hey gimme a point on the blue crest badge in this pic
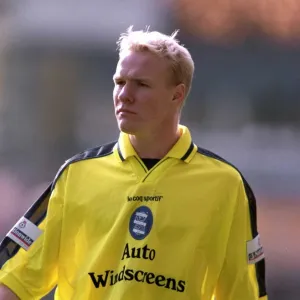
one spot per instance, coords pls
(141, 222)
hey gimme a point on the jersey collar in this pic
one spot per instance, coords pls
(184, 149)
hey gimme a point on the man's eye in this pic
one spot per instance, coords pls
(120, 82)
(143, 84)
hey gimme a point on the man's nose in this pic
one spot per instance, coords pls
(125, 94)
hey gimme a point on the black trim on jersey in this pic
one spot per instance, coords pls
(150, 171)
(259, 266)
(188, 152)
(141, 164)
(120, 153)
(37, 212)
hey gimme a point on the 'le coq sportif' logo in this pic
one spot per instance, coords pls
(141, 222)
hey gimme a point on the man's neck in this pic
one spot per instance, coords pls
(155, 145)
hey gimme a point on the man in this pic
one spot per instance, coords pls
(151, 216)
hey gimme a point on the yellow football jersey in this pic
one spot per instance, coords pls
(111, 229)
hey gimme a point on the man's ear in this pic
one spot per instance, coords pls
(179, 94)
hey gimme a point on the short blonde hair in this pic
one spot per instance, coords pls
(164, 46)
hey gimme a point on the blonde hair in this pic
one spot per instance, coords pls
(164, 46)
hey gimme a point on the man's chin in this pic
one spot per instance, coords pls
(128, 128)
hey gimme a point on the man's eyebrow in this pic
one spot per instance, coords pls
(133, 78)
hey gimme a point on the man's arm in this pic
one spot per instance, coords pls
(7, 294)
(33, 273)
(243, 272)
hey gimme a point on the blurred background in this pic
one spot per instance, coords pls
(57, 59)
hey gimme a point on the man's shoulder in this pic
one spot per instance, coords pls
(225, 170)
(213, 156)
(217, 163)
(96, 152)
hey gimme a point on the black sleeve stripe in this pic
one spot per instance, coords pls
(36, 214)
(252, 207)
(260, 266)
(97, 152)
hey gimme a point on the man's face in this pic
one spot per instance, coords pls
(143, 93)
